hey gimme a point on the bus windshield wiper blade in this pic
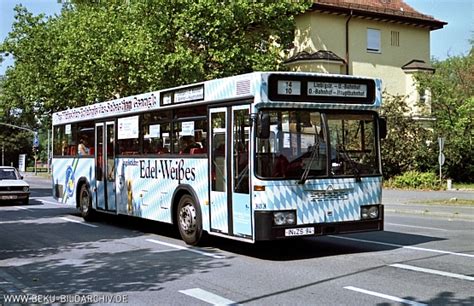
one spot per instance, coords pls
(314, 154)
(355, 169)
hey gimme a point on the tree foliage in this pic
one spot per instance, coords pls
(99, 50)
(413, 147)
(452, 89)
(409, 146)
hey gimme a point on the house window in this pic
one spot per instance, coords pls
(395, 38)
(373, 40)
(423, 95)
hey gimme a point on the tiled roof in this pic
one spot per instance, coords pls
(418, 65)
(319, 55)
(394, 10)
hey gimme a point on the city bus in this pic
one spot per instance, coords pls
(254, 157)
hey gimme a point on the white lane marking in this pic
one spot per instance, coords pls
(78, 222)
(22, 208)
(384, 296)
(420, 227)
(208, 297)
(54, 203)
(436, 272)
(405, 246)
(187, 249)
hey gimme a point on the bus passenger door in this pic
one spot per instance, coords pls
(230, 209)
(219, 217)
(105, 166)
(241, 207)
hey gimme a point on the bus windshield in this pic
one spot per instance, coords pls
(306, 144)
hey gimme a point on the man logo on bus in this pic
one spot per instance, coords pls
(69, 181)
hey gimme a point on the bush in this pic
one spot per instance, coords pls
(38, 169)
(415, 180)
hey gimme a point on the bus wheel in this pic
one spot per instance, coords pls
(85, 203)
(189, 220)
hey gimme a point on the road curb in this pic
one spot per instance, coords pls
(451, 216)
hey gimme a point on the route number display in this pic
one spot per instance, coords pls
(289, 88)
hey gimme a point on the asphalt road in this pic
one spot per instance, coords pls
(48, 254)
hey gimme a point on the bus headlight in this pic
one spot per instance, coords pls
(284, 218)
(369, 212)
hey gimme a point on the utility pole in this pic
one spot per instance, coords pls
(35, 148)
(49, 155)
(441, 157)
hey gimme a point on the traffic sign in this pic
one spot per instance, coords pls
(441, 143)
(441, 159)
(36, 140)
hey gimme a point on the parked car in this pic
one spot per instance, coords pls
(12, 186)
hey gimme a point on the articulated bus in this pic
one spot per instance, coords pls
(254, 157)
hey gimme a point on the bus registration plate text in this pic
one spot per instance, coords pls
(289, 232)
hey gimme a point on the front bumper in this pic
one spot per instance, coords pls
(14, 196)
(265, 230)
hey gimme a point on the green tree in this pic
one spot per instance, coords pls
(408, 146)
(452, 90)
(100, 50)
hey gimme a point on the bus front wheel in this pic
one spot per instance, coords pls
(189, 220)
(85, 203)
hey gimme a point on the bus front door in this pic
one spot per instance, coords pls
(230, 208)
(105, 166)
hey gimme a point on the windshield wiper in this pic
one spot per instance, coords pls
(355, 169)
(314, 154)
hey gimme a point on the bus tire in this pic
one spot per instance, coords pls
(189, 220)
(85, 203)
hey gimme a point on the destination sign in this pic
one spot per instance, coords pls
(337, 89)
(188, 94)
(321, 89)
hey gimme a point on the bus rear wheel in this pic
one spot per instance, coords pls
(189, 220)
(85, 203)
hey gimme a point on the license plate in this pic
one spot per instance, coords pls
(9, 197)
(289, 232)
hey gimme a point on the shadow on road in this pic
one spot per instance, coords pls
(66, 258)
(49, 255)
(323, 246)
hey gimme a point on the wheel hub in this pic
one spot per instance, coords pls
(187, 218)
(84, 203)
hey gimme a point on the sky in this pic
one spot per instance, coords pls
(452, 40)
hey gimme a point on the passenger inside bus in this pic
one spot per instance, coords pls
(82, 148)
(187, 143)
(281, 163)
(65, 150)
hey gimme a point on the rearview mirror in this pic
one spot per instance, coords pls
(382, 127)
(263, 125)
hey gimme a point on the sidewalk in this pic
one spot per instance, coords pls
(38, 174)
(420, 203)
